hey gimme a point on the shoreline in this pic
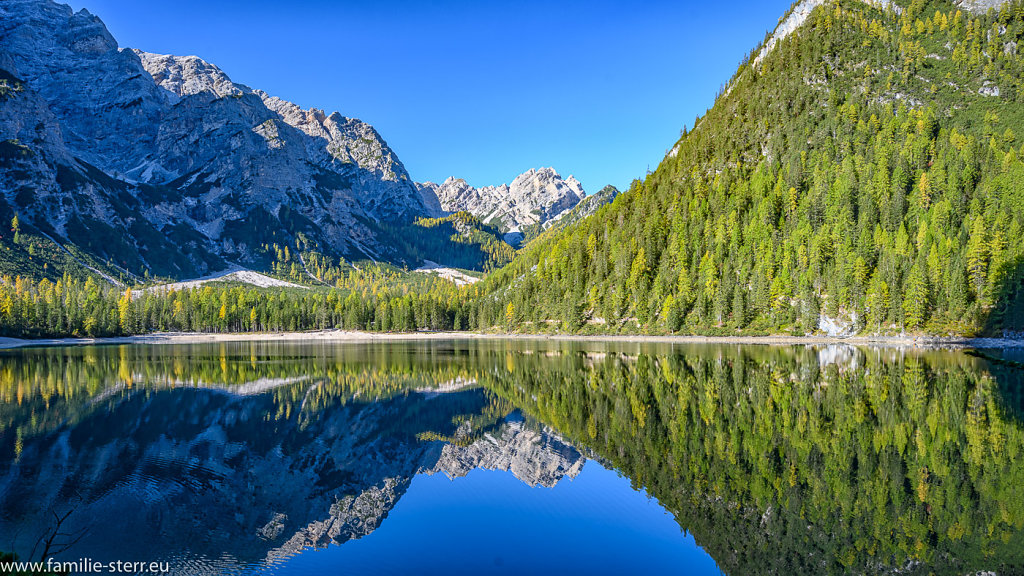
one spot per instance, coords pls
(342, 336)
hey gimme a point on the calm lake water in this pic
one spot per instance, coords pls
(514, 457)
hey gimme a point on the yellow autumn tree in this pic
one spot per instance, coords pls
(124, 311)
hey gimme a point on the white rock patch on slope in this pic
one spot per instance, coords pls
(243, 276)
(795, 20)
(450, 274)
(803, 10)
(981, 6)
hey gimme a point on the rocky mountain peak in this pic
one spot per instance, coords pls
(535, 196)
(93, 36)
(338, 138)
(547, 182)
(188, 75)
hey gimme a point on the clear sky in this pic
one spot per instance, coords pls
(476, 89)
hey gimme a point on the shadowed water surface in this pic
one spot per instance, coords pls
(514, 457)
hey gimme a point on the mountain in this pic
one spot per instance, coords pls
(535, 196)
(861, 171)
(162, 164)
(586, 207)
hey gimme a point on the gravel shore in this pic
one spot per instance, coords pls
(344, 336)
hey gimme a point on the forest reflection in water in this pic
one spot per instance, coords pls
(777, 460)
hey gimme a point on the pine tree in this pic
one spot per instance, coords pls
(925, 189)
(977, 255)
(916, 299)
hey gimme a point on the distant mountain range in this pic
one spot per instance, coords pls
(534, 197)
(161, 164)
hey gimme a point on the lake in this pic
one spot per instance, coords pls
(513, 457)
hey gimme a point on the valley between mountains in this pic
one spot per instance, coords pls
(861, 173)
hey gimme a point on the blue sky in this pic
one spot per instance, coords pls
(476, 89)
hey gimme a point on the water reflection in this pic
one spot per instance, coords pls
(777, 460)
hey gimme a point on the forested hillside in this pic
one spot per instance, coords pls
(377, 298)
(867, 168)
(459, 240)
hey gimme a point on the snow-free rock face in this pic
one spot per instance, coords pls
(981, 6)
(842, 326)
(333, 141)
(107, 105)
(801, 11)
(174, 166)
(187, 76)
(535, 196)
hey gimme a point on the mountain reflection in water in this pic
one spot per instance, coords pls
(784, 460)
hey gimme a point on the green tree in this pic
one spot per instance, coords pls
(16, 229)
(916, 299)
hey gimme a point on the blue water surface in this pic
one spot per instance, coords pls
(489, 522)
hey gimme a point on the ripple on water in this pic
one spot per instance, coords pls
(166, 474)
